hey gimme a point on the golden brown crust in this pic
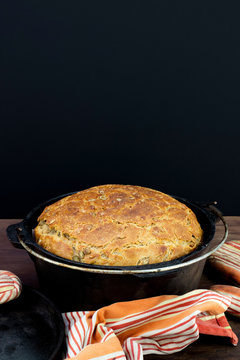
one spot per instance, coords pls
(118, 225)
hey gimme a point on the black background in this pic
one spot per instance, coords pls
(131, 92)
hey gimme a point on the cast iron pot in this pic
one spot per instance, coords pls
(78, 286)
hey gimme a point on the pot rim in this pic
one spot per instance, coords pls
(128, 271)
(21, 235)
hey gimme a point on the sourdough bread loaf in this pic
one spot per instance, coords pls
(118, 225)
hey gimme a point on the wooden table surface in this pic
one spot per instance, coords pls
(206, 347)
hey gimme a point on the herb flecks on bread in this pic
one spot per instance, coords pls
(118, 225)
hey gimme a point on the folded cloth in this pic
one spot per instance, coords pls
(226, 261)
(232, 291)
(159, 325)
(10, 286)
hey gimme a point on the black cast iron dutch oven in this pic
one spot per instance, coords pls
(78, 286)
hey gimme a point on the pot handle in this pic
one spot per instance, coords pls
(211, 208)
(13, 233)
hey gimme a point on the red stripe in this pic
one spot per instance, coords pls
(152, 314)
(232, 295)
(3, 272)
(190, 304)
(227, 250)
(3, 284)
(154, 310)
(108, 334)
(172, 348)
(229, 245)
(237, 313)
(176, 326)
(176, 336)
(16, 283)
(234, 303)
(68, 335)
(6, 278)
(90, 333)
(138, 351)
(228, 253)
(181, 341)
(179, 333)
(162, 348)
(72, 334)
(9, 296)
(82, 325)
(234, 310)
(152, 317)
(126, 348)
(131, 343)
(177, 348)
(174, 342)
(78, 332)
(6, 291)
(188, 337)
(163, 306)
(167, 350)
(183, 302)
(225, 258)
(202, 301)
(235, 245)
(227, 262)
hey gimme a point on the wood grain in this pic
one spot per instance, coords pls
(206, 347)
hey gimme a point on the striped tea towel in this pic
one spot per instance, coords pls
(159, 325)
(234, 292)
(226, 261)
(10, 286)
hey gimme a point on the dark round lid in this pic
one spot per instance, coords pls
(31, 328)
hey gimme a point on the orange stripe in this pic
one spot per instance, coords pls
(165, 322)
(181, 318)
(161, 306)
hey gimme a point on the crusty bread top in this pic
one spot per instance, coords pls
(118, 225)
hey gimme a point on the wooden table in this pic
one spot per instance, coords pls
(206, 347)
